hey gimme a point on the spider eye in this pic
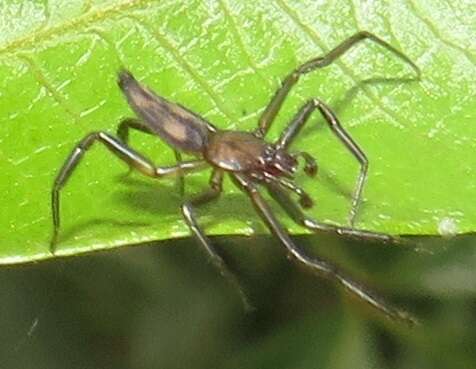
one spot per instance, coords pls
(285, 163)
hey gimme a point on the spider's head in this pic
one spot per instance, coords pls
(280, 163)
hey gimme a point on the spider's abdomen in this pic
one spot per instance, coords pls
(175, 124)
(236, 151)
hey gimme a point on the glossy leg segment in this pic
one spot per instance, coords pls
(123, 152)
(316, 264)
(298, 122)
(289, 206)
(304, 199)
(133, 123)
(267, 117)
(189, 215)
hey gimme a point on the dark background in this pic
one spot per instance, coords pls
(164, 306)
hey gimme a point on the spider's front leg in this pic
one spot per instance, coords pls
(295, 126)
(317, 264)
(123, 152)
(210, 195)
(291, 208)
(274, 106)
(127, 124)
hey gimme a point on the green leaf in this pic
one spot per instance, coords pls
(58, 64)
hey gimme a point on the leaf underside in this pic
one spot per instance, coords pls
(58, 65)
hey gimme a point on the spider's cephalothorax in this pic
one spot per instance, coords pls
(250, 161)
(238, 151)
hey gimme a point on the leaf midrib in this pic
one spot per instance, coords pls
(46, 32)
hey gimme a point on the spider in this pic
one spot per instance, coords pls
(250, 161)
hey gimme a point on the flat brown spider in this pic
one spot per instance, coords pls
(247, 158)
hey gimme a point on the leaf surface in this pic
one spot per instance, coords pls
(224, 60)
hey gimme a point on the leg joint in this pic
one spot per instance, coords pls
(186, 209)
(316, 102)
(87, 141)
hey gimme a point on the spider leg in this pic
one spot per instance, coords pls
(267, 117)
(315, 263)
(291, 208)
(127, 124)
(188, 212)
(123, 152)
(133, 123)
(304, 199)
(298, 122)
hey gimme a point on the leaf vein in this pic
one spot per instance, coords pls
(36, 36)
(54, 93)
(437, 33)
(166, 44)
(238, 37)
